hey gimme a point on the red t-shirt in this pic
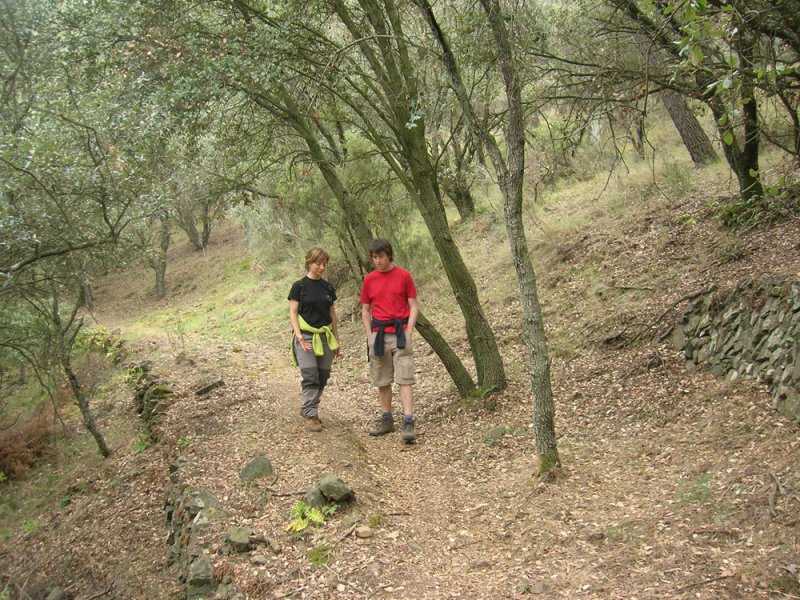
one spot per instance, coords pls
(388, 293)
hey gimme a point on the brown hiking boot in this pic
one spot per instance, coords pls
(384, 426)
(408, 432)
(313, 424)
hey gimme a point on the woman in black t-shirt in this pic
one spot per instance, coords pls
(314, 333)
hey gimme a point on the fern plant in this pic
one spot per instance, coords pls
(302, 516)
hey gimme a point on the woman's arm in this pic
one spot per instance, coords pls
(294, 310)
(335, 327)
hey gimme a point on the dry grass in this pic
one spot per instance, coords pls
(25, 442)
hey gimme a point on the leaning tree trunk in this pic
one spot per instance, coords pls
(455, 368)
(458, 190)
(488, 363)
(396, 86)
(694, 137)
(65, 334)
(83, 405)
(188, 223)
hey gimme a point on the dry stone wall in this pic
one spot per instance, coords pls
(751, 331)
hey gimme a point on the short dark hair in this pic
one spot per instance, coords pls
(379, 245)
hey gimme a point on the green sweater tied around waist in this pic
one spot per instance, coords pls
(316, 338)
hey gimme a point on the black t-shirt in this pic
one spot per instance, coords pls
(315, 297)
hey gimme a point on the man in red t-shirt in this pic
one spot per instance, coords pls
(389, 310)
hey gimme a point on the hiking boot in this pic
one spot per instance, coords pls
(384, 426)
(408, 432)
(313, 424)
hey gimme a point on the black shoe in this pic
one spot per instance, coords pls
(408, 432)
(384, 426)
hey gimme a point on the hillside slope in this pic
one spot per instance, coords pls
(674, 485)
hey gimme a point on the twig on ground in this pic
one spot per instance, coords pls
(290, 594)
(785, 595)
(464, 545)
(101, 594)
(283, 494)
(345, 534)
(704, 582)
(343, 580)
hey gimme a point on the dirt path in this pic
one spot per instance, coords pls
(666, 490)
(674, 485)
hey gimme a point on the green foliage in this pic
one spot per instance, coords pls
(185, 443)
(319, 555)
(696, 492)
(3, 477)
(678, 178)
(101, 340)
(141, 444)
(30, 526)
(628, 533)
(176, 335)
(302, 516)
(786, 584)
(376, 520)
(741, 213)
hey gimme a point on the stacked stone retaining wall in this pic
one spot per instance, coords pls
(751, 331)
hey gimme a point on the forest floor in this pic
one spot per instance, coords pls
(673, 484)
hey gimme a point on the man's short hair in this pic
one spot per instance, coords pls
(379, 245)
(316, 255)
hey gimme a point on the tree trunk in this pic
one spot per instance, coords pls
(462, 200)
(65, 334)
(159, 262)
(83, 405)
(456, 185)
(455, 368)
(206, 220)
(188, 223)
(510, 177)
(742, 153)
(488, 363)
(689, 128)
(396, 89)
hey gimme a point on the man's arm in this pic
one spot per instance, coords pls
(366, 318)
(413, 305)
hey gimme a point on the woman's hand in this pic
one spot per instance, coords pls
(303, 343)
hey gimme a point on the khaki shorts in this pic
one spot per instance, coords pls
(395, 364)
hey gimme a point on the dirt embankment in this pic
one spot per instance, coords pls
(673, 485)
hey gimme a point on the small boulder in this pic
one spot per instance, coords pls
(315, 498)
(364, 532)
(257, 468)
(335, 489)
(239, 538)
